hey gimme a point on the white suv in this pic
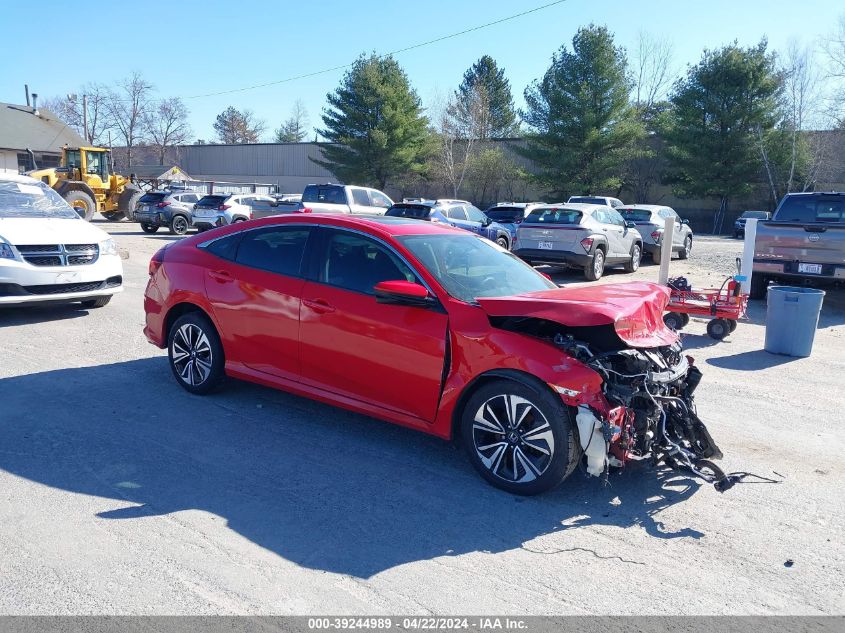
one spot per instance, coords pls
(48, 253)
(604, 201)
(219, 209)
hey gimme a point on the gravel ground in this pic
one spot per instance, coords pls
(122, 494)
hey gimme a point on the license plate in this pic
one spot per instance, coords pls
(545, 246)
(67, 278)
(813, 269)
(203, 214)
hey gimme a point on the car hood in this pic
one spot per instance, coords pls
(635, 310)
(50, 231)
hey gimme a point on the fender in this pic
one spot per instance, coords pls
(66, 186)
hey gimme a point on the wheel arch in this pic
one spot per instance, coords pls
(180, 309)
(66, 186)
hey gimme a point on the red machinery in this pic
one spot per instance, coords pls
(724, 306)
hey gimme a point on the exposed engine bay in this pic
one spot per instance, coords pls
(651, 414)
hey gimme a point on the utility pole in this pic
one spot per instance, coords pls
(88, 139)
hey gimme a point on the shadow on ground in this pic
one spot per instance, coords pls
(46, 313)
(322, 487)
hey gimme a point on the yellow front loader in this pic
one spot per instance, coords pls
(86, 181)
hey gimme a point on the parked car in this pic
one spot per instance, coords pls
(510, 215)
(803, 243)
(739, 224)
(604, 201)
(173, 209)
(436, 329)
(458, 213)
(330, 198)
(48, 252)
(587, 236)
(650, 220)
(220, 209)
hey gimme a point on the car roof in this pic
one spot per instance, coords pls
(384, 226)
(574, 206)
(644, 207)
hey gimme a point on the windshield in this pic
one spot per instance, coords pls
(469, 267)
(636, 215)
(759, 215)
(554, 216)
(505, 214)
(36, 200)
(588, 200)
(415, 211)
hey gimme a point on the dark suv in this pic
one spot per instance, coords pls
(459, 213)
(172, 209)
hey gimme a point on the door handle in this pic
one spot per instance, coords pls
(221, 276)
(320, 306)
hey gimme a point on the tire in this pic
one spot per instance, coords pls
(128, 200)
(731, 325)
(684, 253)
(633, 264)
(82, 203)
(501, 455)
(179, 224)
(193, 338)
(685, 318)
(595, 269)
(113, 216)
(149, 228)
(655, 256)
(759, 287)
(236, 220)
(503, 242)
(718, 329)
(99, 302)
(674, 320)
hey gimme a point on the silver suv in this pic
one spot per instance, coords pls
(587, 236)
(650, 221)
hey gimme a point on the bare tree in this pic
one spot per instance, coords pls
(69, 110)
(234, 126)
(128, 107)
(834, 47)
(802, 102)
(295, 128)
(166, 125)
(653, 71)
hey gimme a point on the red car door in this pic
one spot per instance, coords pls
(256, 294)
(388, 355)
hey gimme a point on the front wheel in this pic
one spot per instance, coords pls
(82, 203)
(99, 302)
(633, 264)
(518, 438)
(179, 225)
(503, 242)
(195, 354)
(595, 269)
(684, 253)
(718, 329)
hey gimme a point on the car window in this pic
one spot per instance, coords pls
(614, 217)
(475, 214)
(278, 249)
(357, 263)
(636, 215)
(600, 216)
(404, 210)
(804, 208)
(759, 215)
(360, 197)
(212, 200)
(380, 200)
(151, 198)
(554, 216)
(588, 200)
(505, 214)
(615, 203)
(456, 212)
(225, 247)
(329, 194)
(189, 197)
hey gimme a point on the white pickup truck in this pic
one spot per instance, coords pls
(331, 198)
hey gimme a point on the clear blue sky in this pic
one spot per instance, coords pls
(190, 47)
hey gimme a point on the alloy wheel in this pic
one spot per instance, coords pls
(636, 255)
(180, 225)
(598, 263)
(191, 354)
(512, 438)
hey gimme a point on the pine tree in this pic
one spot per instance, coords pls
(375, 123)
(295, 128)
(485, 88)
(583, 126)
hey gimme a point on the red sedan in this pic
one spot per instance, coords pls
(436, 329)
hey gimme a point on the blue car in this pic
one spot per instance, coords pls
(459, 213)
(509, 215)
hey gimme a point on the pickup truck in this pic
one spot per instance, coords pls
(803, 243)
(332, 198)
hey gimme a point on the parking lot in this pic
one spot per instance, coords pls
(122, 493)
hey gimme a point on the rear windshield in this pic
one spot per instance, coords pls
(505, 214)
(152, 198)
(812, 209)
(415, 211)
(212, 201)
(759, 215)
(554, 216)
(36, 200)
(588, 200)
(331, 194)
(636, 215)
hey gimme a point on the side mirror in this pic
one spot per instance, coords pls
(403, 292)
(630, 225)
(684, 221)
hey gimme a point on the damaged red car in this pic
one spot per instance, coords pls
(439, 330)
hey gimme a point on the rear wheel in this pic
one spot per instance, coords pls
(503, 242)
(655, 255)
(518, 438)
(195, 353)
(179, 225)
(759, 287)
(99, 302)
(149, 228)
(684, 253)
(82, 203)
(633, 264)
(718, 329)
(595, 269)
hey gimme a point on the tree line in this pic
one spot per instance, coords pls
(597, 121)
